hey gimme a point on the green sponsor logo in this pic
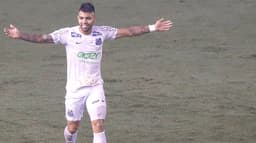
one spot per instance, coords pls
(91, 55)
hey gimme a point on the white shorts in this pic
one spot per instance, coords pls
(92, 97)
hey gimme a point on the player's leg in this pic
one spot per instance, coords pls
(74, 108)
(96, 106)
(98, 131)
(71, 131)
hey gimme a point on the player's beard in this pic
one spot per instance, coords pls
(86, 28)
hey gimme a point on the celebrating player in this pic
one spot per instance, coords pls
(84, 85)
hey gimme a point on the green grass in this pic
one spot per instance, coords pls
(194, 84)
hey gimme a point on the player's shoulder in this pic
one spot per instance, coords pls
(64, 30)
(69, 29)
(107, 32)
(103, 28)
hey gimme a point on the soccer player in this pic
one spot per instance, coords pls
(84, 85)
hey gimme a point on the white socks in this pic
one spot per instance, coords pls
(70, 138)
(99, 137)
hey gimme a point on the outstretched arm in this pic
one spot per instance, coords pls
(15, 33)
(160, 26)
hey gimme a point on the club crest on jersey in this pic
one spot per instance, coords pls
(98, 41)
(74, 34)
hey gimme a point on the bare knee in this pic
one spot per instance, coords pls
(73, 126)
(98, 125)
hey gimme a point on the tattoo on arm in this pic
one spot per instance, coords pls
(36, 38)
(132, 31)
(138, 30)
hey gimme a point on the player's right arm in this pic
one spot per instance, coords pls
(15, 33)
(160, 26)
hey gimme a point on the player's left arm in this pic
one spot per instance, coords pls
(14, 33)
(160, 26)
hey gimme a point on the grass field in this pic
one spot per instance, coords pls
(193, 84)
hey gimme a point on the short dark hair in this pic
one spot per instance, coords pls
(87, 7)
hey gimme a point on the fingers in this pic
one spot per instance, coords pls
(165, 22)
(6, 31)
(9, 30)
(12, 26)
(163, 25)
(160, 20)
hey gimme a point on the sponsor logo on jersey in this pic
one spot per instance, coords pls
(90, 55)
(107, 28)
(96, 33)
(74, 34)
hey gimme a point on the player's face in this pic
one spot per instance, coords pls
(86, 21)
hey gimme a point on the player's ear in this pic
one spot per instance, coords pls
(94, 17)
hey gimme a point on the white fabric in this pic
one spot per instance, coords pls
(91, 97)
(84, 54)
(99, 138)
(70, 138)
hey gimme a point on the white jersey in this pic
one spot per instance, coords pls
(84, 53)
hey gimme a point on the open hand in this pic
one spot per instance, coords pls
(163, 25)
(12, 32)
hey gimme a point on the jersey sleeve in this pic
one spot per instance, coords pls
(109, 32)
(60, 36)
